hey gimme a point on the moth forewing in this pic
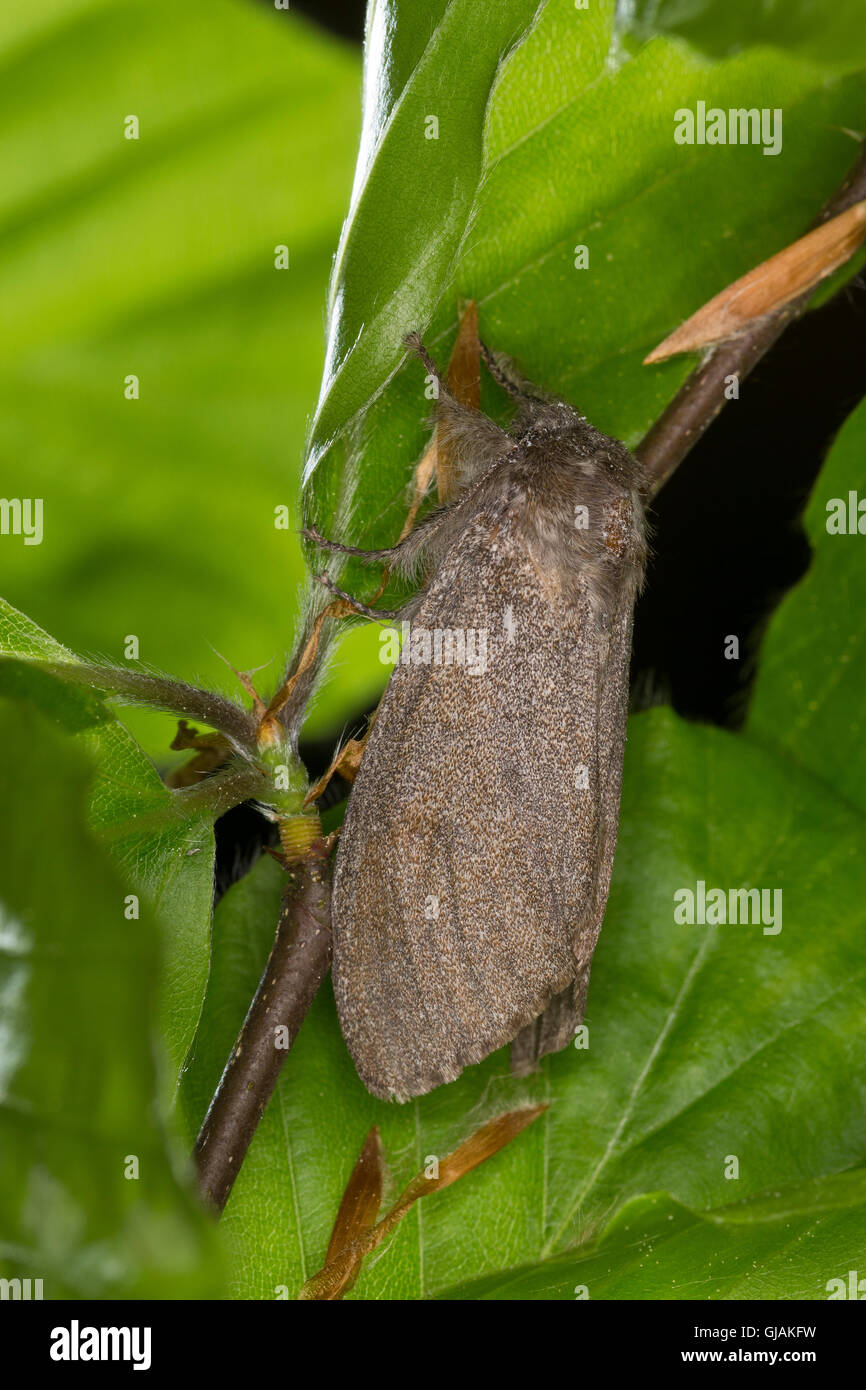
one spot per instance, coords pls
(452, 899)
(474, 863)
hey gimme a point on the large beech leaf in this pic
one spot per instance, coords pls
(93, 1200)
(164, 853)
(795, 1245)
(705, 1043)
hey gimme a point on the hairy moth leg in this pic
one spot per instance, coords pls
(345, 763)
(507, 375)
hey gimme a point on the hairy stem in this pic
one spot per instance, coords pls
(164, 693)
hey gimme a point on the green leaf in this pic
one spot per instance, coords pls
(78, 984)
(790, 1246)
(809, 704)
(831, 36)
(704, 1042)
(163, 847)
(418, 171)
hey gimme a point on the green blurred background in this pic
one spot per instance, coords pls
(156, 257)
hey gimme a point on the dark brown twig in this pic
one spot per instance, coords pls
(702, 396)
(297, 965)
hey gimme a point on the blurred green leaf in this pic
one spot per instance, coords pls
(164, 851)
(78, 1082)
(156, 257)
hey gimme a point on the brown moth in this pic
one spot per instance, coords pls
(474, 864)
